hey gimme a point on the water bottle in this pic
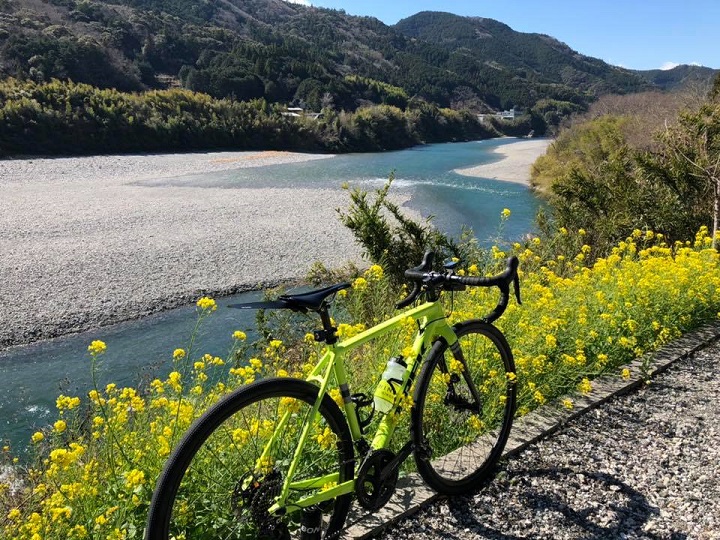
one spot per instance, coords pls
(386, 390)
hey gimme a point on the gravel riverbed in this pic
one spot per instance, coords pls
(642, 466)
(90, 241)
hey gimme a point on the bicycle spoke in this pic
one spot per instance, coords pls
(238, 469)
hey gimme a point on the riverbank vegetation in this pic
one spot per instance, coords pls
(644, 161)
(91, 471)
(67, 118)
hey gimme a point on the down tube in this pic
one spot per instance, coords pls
(421, 344)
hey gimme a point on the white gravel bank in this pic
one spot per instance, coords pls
(83, 246)
(514, 166)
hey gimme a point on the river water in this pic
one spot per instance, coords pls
(34, 375)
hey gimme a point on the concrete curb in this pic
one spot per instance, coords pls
(412, 494)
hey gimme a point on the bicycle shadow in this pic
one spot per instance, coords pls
(612, 510)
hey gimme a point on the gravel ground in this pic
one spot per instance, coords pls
(95, 240)
(645, 465)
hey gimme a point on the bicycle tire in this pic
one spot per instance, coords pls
(459, 438)
(196, 469)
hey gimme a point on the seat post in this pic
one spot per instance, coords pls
(328, 334)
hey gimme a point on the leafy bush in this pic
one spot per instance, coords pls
(390, 238)
(613, 173)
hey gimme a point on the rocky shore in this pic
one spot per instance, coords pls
(84, 244)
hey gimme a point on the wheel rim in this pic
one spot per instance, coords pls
(463, 429)
(234, 476)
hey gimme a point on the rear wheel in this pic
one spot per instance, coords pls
(464, 407)
(225, 475)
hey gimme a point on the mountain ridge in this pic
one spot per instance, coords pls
(303, 55)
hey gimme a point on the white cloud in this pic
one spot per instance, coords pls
(669, 65)
(301, 2)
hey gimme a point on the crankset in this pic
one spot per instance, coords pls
(372, 489)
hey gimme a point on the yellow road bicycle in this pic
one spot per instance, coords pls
(279, 458)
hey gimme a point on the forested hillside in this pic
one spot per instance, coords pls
(295, 54)
(424, 79)
(524, 66)
(679, 77)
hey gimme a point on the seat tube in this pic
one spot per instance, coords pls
(350, 408)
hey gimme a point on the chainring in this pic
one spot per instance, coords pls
(372, 492)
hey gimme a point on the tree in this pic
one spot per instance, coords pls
(714, 95)
(693, 150)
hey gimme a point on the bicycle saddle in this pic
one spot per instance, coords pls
(311, 300)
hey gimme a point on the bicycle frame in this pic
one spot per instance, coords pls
(433, 325)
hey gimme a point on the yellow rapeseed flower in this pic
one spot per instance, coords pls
(178, 354)
(585, 386)
(66, 402)
(326, 439)
(374, 273)
(59, 426)
(505, 213)
(239, 335)
(97, 347)
(207, 304)
(360, 284)
(37, 437)
(134, 478)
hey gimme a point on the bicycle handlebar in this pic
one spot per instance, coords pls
(423, 275)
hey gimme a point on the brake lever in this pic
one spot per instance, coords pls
(516, 288)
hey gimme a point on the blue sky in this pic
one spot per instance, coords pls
(637, 34)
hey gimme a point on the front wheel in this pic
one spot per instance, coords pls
(464, 407)
(230, 467)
